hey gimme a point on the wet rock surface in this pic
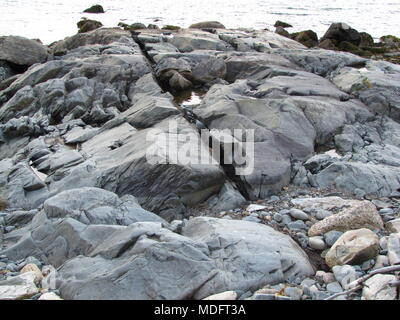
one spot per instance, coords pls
(84, 214)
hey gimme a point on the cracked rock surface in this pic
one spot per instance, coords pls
(78, 192)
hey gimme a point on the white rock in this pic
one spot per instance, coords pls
(317, 243)
(377, 288)
(19, 287)
(353, 247)
(49, 296)
(255, 207)
(393, 247)
(393, 226)
(227, 295)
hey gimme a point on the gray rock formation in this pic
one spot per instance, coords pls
(22, 51)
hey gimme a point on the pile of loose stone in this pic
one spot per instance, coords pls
(336, 227)
(27, 279)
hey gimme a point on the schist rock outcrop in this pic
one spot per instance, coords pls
(84, 214)
(342, 37)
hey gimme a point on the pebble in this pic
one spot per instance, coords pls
(383, 243)
(381, 261)
(286, 220)
(278, 217)
(308, 283)
(298, 214)
(334, 287)
(331, 237)
(8, 229)
(260, 296)
(274, 199)
(317, 243)
(345, 274)
(297, 225)
(324, 253)
(326, 277)
(251, 219)
(322, 214)
(368, 264)
(294, 293)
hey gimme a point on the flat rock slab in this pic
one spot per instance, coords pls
(146, 261)
(249, 254)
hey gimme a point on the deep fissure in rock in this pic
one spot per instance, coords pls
(191, 117)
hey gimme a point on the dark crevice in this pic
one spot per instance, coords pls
(16, 68)
(179, 99)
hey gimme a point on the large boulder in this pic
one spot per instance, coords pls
(359, 215)
(340, 32)
(151, 263)
(102, 36)
(86, 25)
(191, 40)
(353, 247)
(308, 37)
(22, 51)
(248, 254)
(94, 9)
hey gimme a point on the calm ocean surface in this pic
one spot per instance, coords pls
(51, 20)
